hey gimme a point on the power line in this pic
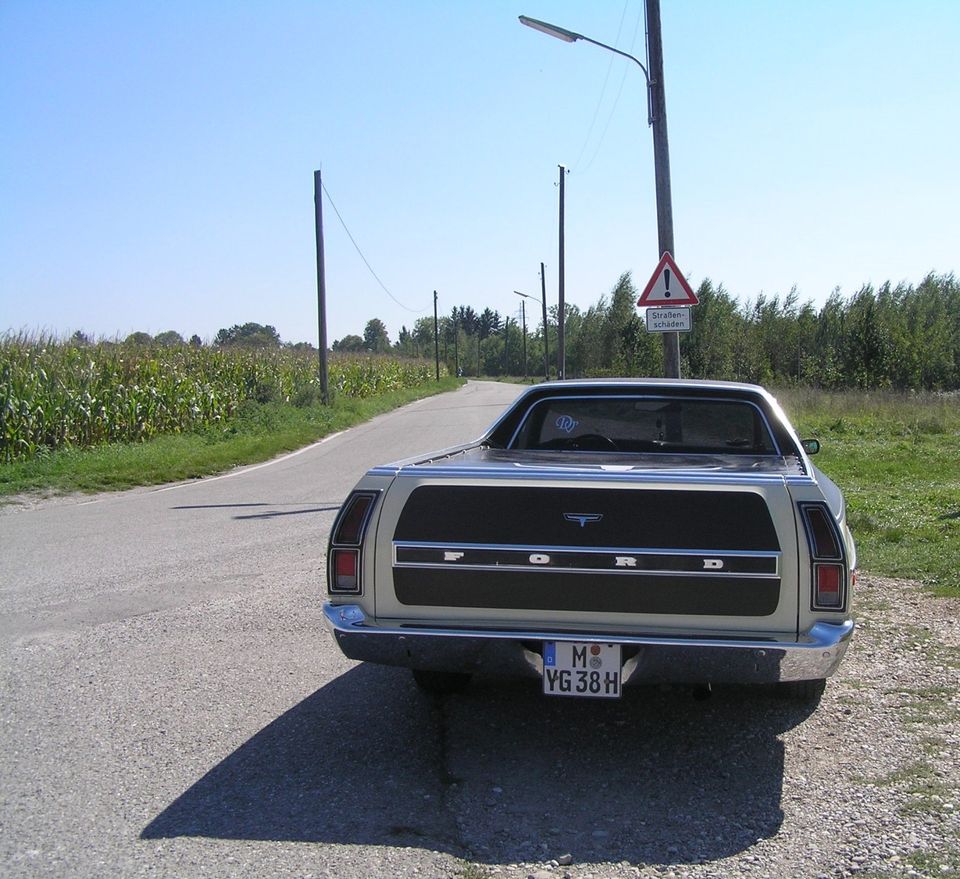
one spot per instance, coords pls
(616, 100)
(365, 261)
(603, 92)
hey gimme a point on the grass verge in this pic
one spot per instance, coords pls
(897, 459)
(259, 432)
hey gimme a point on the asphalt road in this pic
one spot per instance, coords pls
(171, 705)
(157, 642)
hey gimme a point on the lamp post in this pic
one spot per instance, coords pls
(523, 318)
(657, 119)
(506, 346)
(543, 303)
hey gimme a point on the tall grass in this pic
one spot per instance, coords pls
(893, 413)
(897, 458)
(56, 395)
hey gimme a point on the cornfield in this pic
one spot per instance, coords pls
(57, 395)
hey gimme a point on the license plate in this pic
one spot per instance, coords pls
(573, 668)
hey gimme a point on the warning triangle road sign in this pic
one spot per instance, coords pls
(667, 286)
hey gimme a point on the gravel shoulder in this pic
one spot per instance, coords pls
(867, 785)
(231, 739)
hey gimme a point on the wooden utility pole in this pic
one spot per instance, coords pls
(436, 334)
(506, 346)
(561, 364)
(523, 316)
(321, 287)
(561, 343)
(661, 167)
(543, 302)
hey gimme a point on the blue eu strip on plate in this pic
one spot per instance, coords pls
(550, 653)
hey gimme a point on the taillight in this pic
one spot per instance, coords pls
(346, 542)
(828, 572)
(828, 586)
(345, 567)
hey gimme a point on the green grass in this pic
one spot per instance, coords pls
(897, 459)
(257, 432)
(936, 864)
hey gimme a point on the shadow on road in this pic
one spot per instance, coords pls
(274, 513)
(502, 774)
(330, 508)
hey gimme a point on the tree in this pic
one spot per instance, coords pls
(196, 341)
(349, 344)
(138, 339)
(466, 318)
(375, 336)
(620, 334)
(710, 346)
(249, 335)
(489, 323)
(423, 337)
(405, 345)
(168, 338)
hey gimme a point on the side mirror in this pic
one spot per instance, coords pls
(810, 446)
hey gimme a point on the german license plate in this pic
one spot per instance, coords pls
(574, 668)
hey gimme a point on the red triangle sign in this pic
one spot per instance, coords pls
(667, 286)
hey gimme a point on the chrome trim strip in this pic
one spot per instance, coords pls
(585, 550)
(581, 474)
(615, 572)
(635, 550)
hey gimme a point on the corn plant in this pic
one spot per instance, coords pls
(63, 395)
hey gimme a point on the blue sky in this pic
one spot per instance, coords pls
(156, 160)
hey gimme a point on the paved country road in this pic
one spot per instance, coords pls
(170, 706)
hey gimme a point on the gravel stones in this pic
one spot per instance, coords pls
(868, 784)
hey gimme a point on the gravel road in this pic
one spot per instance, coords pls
(171, 707)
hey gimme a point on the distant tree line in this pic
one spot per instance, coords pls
(248, 335)
(901, 337)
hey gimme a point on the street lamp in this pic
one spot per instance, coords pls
(657, 118)
(543, 303)
(561, 33)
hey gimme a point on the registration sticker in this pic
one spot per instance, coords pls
(575, 668)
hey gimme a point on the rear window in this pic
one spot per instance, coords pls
(645, 424)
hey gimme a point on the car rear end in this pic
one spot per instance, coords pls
(593, 575)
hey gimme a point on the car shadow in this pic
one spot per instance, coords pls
(502, 774)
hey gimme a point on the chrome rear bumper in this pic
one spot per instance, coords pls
(647, 659)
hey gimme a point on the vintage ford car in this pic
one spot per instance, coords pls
(603, 533)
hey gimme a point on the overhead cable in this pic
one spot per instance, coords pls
(365, 260)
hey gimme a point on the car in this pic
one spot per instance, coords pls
(602, 534)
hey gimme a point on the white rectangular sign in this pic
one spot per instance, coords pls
(669, 320)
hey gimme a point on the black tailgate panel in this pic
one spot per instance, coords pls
(717, 520)
(680, 538)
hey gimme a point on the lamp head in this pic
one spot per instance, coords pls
(551, 29)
